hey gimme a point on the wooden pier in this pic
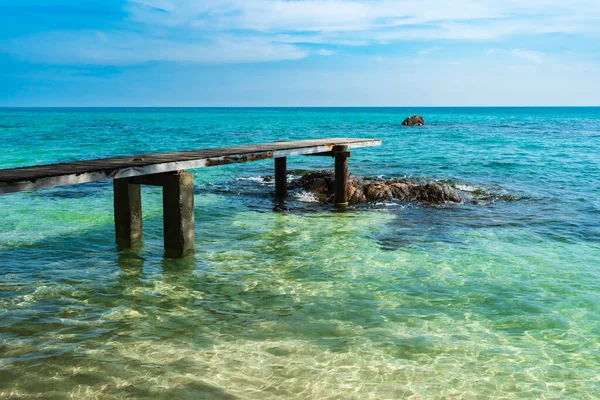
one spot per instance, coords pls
(169, 171)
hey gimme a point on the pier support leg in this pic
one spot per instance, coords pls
(178, 213)
(341, 175)
(128, 211)
(281, 178)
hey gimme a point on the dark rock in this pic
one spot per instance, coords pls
(322, 185)
(414, 120)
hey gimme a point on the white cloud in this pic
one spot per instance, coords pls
(533, 56)
(370, 18)
(428, 51)
(303, 15)
(123, 48)
(325, 52)
(528, 55)
(232, 31)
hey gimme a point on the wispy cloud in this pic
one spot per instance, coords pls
(370, 18)
(524, 54)
(124, 48)
(236, 31)
(325, 52)
(428, 51)
(533, 56)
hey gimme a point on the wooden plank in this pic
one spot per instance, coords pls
(332, 154)
(34, 177)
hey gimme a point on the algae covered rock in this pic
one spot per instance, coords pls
(322, 185)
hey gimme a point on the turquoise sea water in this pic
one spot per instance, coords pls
(495, 298)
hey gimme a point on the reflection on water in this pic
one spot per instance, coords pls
(495, 298)
(268, 312)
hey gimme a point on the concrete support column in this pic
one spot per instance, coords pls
(281, 178)
(341, 175)
(128, 211)
(178, 213)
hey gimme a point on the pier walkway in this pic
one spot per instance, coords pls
(169, 171)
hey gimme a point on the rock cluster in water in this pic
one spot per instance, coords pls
(322, 185)
(414, 120)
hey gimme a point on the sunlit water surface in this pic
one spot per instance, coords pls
(495, 298)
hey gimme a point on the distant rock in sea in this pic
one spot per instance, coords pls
(414, 120)
(322, 185)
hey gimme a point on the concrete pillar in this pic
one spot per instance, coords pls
(281, 178)
(128, 211)
(341, 175)
(178, 213)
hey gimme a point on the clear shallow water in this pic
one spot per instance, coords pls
(498, 298)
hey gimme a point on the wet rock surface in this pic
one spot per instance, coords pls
(414, 120)
(322, 185)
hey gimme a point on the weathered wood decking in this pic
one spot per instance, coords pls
(41, 176)
(168, 170)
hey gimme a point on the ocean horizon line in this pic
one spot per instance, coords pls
(290, 107)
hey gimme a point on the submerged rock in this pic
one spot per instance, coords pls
(322, 185)
(414, 120)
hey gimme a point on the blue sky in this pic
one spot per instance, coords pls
(299, 53)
